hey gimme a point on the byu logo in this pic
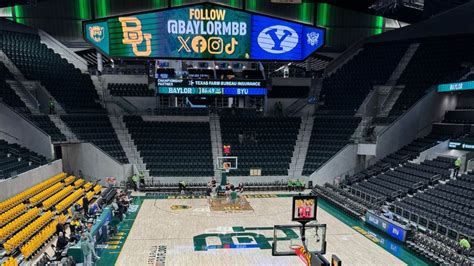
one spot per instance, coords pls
(133, 35)
(278, 39)
(96, 33)
(313, 38)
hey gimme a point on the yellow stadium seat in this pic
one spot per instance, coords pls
(46, 193)
(38, 240)
(12, 214)
(19, 222)
(10, 262)
(21, 237)
(78, 183)
(97, 189)
(19, 198)
(88, 186)
(69, 180)
(65, 203)
(54, 199)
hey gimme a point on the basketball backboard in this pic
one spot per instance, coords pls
(227, 163)
(287, 238)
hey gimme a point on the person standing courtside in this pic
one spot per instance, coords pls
(86, 247)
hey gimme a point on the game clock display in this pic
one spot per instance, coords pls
(304, 208)
(203, 31)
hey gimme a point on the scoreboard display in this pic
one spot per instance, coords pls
(211, 87)
(203, 31)
(304, 208)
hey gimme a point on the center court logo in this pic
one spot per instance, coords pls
(277, 39)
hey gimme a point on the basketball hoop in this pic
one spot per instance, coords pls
(295, 246)
(226, 166)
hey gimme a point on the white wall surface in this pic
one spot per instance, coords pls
(13, 186)
(93, 162)
(24, 132)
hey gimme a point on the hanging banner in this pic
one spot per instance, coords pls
(203, 31)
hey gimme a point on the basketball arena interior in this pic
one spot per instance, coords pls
(236, 132)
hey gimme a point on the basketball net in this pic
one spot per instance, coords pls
(226, 166)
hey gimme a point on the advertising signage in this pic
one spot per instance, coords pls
(385, 226)
(211, 87)
(461, 145)
(203, 31)
(459, 86)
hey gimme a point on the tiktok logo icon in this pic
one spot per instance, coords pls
(277, 39)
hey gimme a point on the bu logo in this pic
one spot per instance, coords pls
(132, 34)
(277, 39)
(96, 33)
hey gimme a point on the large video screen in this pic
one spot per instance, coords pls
(203, 31)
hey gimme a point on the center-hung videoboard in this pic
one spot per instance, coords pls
(203, 31)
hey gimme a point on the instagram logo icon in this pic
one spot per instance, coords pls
(215, 45)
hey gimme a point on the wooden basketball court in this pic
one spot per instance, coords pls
(187, 232)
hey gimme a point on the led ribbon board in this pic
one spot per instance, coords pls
(203, 31)
(459, 86)
(211, 87)
(461, 145)
(386, 226)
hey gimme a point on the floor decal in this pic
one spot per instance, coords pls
(157, 255)
(223, 204)
(239, 238)
(180, 207)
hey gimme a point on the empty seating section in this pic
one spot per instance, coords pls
(39, 239)
(342, 94)
(96, 128)
(459, 117)
(165, 73)
(225, 74)
(436, 61)
(406, 153)
(330, 133)
(28, 220)
(446, 209)
(439, 248)
(36, 61)
(177, 111)
(252, 74)
(23, 196)
(45, 123)
(350, 204)
(267, 142)
(9, 97)
(347, 88)
(125, 89)
(38, 198)
(27, 232)
(408, 178)
(288, 92)
(173, 148)
(15, 159)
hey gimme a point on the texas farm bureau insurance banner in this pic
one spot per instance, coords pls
(203, 31)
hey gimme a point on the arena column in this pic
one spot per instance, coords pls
(100, 67)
